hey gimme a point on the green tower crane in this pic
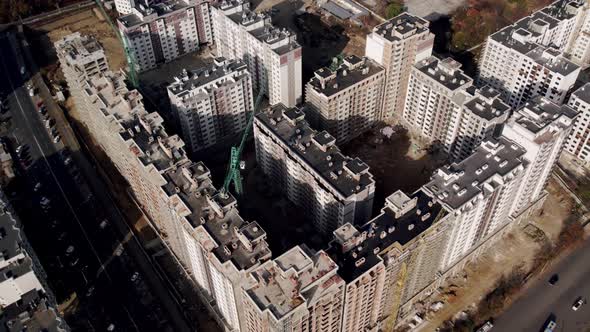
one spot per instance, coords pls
(235, 162)
(131, 73)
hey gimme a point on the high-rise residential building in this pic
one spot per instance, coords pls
(297, 291)
(579, 47)
(529, 58)
(387, 262)
(25, 298)
(212, 102)
(541, 128)
(578, 143)
(479, 116)
(124, 7)
(212, 240)
(347, 101)
(332, 188)
(397, 45)
(201, 225)
(164, 31)
(436, 92)
(479, 191)
(272, 55)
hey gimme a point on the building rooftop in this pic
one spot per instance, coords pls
(144, 131)
(525, 36)
(352, 71)
(487, 104)
(145, 14)
(220, 72)
(78, 49)
(583, 93)
(346, 175)
(293, 279)
(540, 113)
(214, 217)
(401, 27)
(446, 72)
(259, 25)
(356, 249)
(457, 184)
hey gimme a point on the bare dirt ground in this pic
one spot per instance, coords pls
(87, 22)
(432, 9)
(399, 162)
(518, 249)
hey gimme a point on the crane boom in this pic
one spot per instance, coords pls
(233, 169)
(131, 73)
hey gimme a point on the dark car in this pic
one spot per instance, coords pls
(554, 279)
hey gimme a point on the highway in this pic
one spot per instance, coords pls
(541, 299)
(79, 255)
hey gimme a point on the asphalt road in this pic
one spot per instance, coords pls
(541, 299)
(97, 274)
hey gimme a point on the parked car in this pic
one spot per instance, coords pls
(578, 303)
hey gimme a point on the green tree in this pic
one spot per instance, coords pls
(393, 9)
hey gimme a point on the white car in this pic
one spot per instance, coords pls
(579, 302)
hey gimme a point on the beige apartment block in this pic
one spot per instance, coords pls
(397, 45)
(348, 101)
(297, 291)
(390, 262)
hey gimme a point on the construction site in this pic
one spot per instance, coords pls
(397, 160)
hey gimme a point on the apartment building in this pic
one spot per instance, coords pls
(436, 94)
(579, 48)
(212, 102)
(347, 101)
(212, 240)
(480, 115)
(80, 58)
(27, 303)
(397, 45)
(164, 31)
(201, 225)
(578, 143)
(134, 140)
(332, 188)
(541, 128)
(389, 260)
(297, 291)
(479, 191)
(529, 58)
(272, 55)
(124, 7)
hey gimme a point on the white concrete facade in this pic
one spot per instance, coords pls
(532, 57)
(161, 32)
(541, 128)
(272, 55)
(212, 103)
(578, 143)
(311, 171)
